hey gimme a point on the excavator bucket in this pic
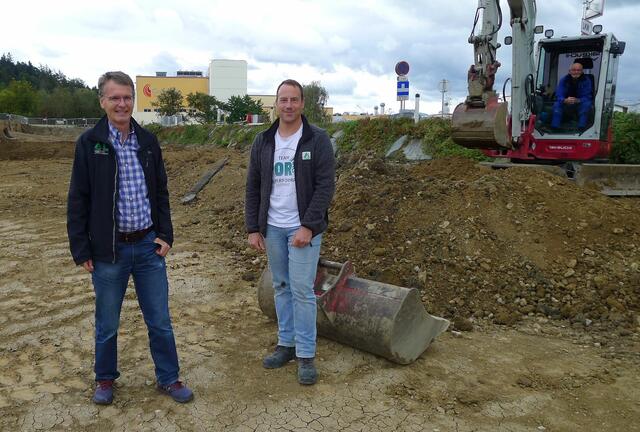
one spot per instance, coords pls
(386, 320)
(480, 127)
(5, 130)
(610, 179)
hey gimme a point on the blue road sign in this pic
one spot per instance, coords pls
(403, 90)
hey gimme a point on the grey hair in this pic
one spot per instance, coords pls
(118, 78)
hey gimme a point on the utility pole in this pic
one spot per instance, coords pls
(443, 86)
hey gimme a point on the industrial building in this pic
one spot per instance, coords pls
(226, 78)
(149, 87)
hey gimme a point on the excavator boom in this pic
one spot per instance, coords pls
(482, 120)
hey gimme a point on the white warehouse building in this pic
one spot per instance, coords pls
(227, 78)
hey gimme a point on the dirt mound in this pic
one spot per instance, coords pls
(478, 243)
(67, 132)
(493, 244)
(26, 142)
(27, 146)
(19, 149)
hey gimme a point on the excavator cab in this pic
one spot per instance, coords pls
(548, 105)
(591, 118)
(538, 125)
(554, 61)
(549, 129)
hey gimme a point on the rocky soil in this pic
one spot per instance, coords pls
(480, 244)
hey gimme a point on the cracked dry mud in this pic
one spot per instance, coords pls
(544, 371)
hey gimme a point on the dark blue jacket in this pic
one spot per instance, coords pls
(314, 176)
(93, 193)
(584, 91)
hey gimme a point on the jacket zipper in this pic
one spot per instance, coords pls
(113, 210)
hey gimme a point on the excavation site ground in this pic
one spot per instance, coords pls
(540, 279)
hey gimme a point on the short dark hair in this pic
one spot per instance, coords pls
(118, 78)
(292, 83)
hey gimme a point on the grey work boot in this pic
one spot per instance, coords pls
(307, 373)
(280, 357)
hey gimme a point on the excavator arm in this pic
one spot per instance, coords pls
(523, 24)
(481, 75)
(482, 120)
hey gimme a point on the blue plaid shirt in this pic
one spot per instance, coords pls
(134, 211)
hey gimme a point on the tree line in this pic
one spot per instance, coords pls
(37, 91)
(203, 108)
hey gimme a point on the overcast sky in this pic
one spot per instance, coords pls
(350, 47)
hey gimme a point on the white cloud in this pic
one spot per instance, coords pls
(351, 48)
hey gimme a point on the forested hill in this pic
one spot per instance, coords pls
(40, 78)
(37, 91)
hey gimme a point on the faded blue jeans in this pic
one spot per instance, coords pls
(152, 288)
(294, 271)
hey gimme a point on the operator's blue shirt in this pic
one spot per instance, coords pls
(582, 89)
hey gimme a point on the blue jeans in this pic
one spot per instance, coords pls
(152, 288)
(562, 111)
(294, 271)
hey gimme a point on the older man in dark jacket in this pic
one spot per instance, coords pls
(119, 224)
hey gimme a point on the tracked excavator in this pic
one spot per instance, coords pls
(532, 129)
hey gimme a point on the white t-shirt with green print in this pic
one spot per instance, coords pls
(283, 203)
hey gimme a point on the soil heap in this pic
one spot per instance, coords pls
(478, 243)
(485, 243)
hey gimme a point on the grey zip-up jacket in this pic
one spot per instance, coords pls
(314, 177)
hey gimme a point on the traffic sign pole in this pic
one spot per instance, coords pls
(402, 88)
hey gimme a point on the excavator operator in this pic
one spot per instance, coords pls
(574, 95)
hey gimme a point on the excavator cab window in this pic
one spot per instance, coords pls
(554, 83)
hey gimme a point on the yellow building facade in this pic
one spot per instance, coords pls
(149, 87)
(268, 104)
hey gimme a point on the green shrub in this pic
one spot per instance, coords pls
(626, 138)
(378, 134)
(154, 128)
(220, 135)
(367, 135)
(373, 134)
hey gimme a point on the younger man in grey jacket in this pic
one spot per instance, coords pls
(290, 184)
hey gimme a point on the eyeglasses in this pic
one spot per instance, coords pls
(118, 99)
